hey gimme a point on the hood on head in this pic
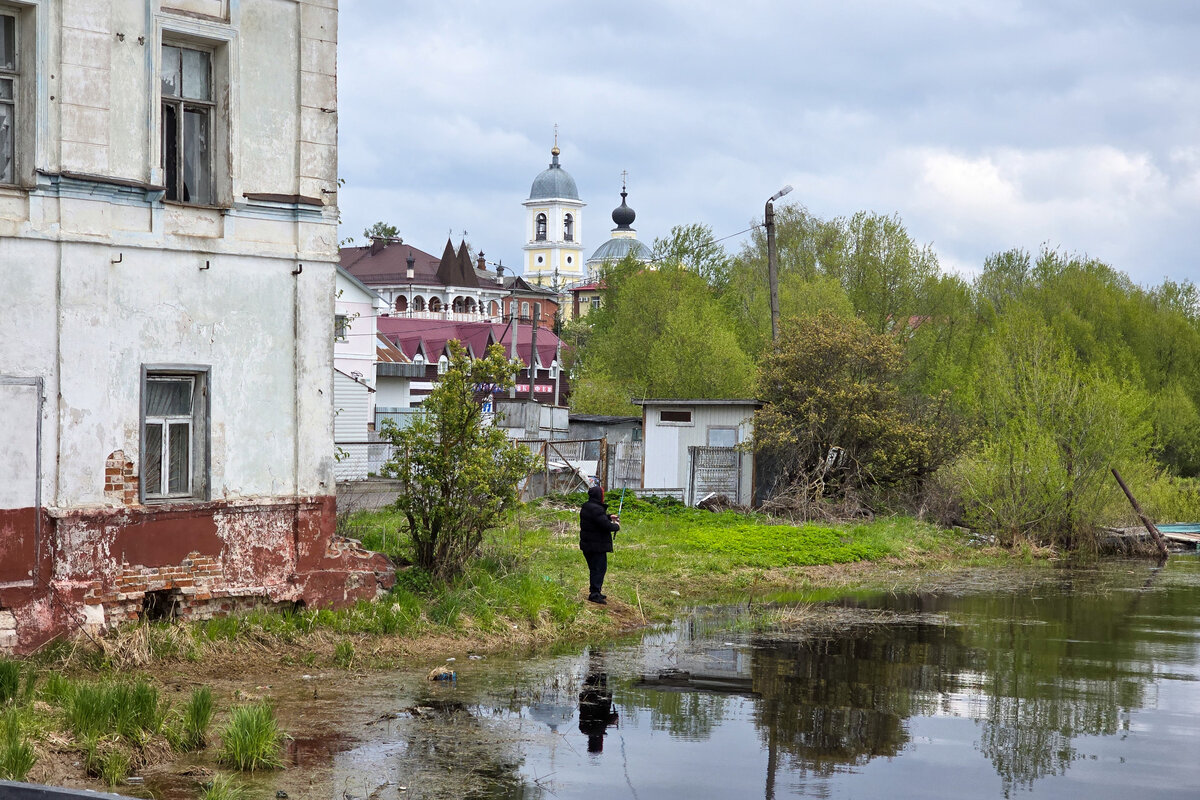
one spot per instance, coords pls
(596, 493)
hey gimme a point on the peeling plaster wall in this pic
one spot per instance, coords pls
(99, 277)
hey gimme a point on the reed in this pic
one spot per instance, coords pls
(252, 740)
(10, 679)
(197, 717)
(16, 753)
(222, 787)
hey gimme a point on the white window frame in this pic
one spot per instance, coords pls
(726, 428)
(197, 431)
(341, 327)
(443, 365)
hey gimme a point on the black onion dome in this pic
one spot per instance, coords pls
(623, 215)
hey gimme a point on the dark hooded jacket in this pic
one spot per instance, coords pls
(595, 528)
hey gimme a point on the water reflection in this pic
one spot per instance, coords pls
(1077, 684)
(596, 714)
(1053, 679)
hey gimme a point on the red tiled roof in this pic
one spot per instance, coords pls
(430, 337)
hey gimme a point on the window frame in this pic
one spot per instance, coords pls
(540, 228)
(689, 422)
(708, 435)
(18, 102)
(443, 364)
(181, 105)
(568, 228)
(199, 477)
(341, 327)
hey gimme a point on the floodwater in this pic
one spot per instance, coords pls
(1039, 684)
(1077, 684)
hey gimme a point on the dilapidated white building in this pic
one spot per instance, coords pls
(168, 177)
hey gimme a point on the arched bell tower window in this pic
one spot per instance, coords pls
(568, 228)
(541, 228)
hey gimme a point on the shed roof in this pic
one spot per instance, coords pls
(675, 401)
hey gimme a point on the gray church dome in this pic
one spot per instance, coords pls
(618, 247)
(554, 181)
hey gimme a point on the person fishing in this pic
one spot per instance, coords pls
(596, 529)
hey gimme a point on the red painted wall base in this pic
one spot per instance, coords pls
(96, 568)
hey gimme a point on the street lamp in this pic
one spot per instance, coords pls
(772, 265)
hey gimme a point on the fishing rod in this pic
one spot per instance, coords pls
(621, 504)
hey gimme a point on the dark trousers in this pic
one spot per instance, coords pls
(597, 566)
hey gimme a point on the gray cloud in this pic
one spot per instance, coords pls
(985, 125)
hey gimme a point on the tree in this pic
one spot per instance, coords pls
(382, 230)
(694, 247)
(458, 475)
(1052, 427)
(833, 419)
(660, 333)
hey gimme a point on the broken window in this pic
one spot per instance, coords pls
(568, 230)
(174, 433)
(541, 228)
(187, 124)
(8, 97)
(341, 326)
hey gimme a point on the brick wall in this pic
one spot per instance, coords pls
(120, 479)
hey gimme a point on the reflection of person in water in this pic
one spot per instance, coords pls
(596, 713)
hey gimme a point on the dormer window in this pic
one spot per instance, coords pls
(443, 365)
(540, 235)
(568, 228)
(554, 369)
(419, 360)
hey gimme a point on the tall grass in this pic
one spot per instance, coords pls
(130, 711)
(10, 680)
(197, 717)
(16, 753)
(251, 740)
(222, 787)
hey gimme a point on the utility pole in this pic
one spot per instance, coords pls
(773, 261)
(558, 369)
(537, 312)
(512, 333)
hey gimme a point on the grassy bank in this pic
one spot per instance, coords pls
(528, 585)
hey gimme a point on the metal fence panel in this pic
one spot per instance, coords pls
(714, 470)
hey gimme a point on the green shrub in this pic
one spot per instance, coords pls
(16, 754)
(252, 740)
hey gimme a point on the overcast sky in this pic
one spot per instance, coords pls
(985, 124)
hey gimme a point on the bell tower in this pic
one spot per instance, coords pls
(554, 227)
